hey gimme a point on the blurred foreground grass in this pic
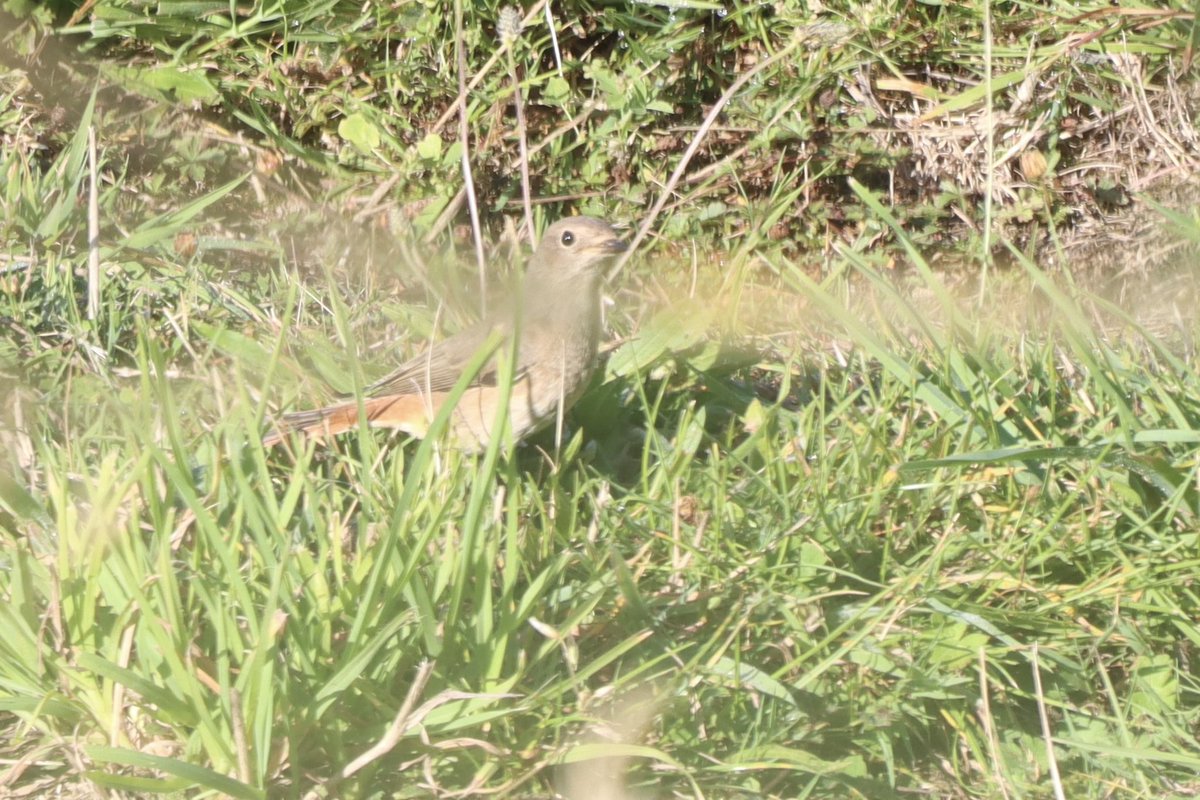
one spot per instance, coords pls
(870, 500)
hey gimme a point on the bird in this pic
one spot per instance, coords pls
(552, 325)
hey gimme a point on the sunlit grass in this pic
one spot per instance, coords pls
(832, 521)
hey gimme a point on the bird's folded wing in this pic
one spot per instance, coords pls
(439, 368)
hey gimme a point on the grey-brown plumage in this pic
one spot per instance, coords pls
(556, 321)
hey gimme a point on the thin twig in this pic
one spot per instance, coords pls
(372, 204)
(116, 733)
(464, 136)
(510, 31)
(443, 219)
(240, 745)
(526, 191)
(553, 37)
(545, 200)
(989, 149)
(701, 133)
(399, 722)
(589, 107)
(736, 156)
(479, 76)
(1044, 719)
(989, 723)
(93, 281)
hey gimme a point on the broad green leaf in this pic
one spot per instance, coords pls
(360, 132)
(430, 147)
(776, 756)
(248, 352)
(196, 775)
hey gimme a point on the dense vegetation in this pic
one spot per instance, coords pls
(888, 485)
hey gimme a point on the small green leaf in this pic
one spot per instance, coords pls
(675, 329)
(430, 147)
(775, 756)
(610, 85)
(165, 226)
(557, 90)
(592, 750)
(19, 502)
(746, 675)
(248, 352)
(171, 707)
(192, 773)
(185, 86)
(360, 132)
(1156, 685)
(167, 82)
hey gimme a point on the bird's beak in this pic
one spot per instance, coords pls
(614, 246)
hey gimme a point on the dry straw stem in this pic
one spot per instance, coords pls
(510, 30)
(464, 136)
(989, 145)
(949, 136)
(701, 133)
(395, 731)
(988, 723)
(483, 72)
(460, 105)
(407, 719)
(93, 282)
(1043, 717)
(399, 723)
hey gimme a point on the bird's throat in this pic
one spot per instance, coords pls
(564, 301)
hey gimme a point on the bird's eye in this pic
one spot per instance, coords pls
(568, 239)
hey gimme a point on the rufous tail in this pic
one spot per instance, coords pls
(406, 412)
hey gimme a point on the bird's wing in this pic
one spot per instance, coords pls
(438, 368)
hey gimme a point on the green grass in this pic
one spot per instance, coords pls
(864, 503)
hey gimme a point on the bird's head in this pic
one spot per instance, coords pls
(574, 246)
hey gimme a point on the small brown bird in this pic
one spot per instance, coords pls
(556, 320)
